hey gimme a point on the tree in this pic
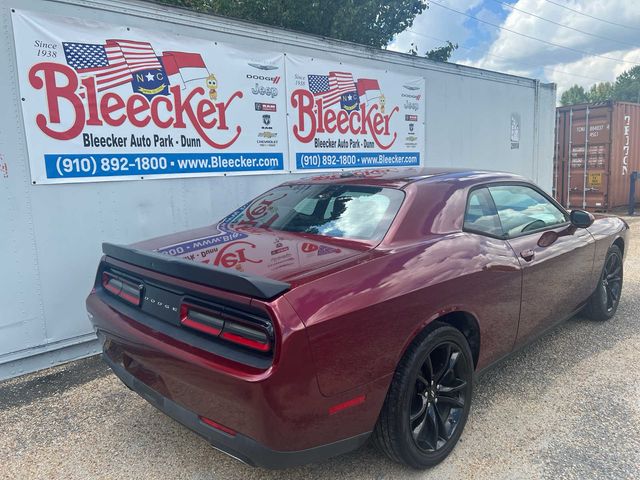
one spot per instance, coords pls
(575, 94)
(368, 22)
(601, 92)
(627, 87)
(440, 54)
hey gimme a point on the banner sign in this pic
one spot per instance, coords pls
(345, 116)
(102, 102)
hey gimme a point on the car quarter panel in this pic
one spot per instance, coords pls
(606, 230)
(263, 405)
(360, 320)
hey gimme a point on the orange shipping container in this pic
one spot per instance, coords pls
(597, 148)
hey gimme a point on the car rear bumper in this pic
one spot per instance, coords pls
(277, 413)
(237, 446)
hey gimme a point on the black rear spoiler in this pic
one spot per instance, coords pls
(233, 281)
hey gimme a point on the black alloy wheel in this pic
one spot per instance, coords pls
(603, 303)
(612, 282)
(438, 399)
(428, 401)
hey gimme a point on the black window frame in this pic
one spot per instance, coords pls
(506, 236)
(466, 210)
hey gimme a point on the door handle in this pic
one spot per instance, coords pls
(527, 254)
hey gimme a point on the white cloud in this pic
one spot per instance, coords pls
(593, 67)
(434, 26)
(516, 54)
(502, 51)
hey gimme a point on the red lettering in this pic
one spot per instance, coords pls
(329, 118)
(155, 103)
(385, 131)
(320, 108)
(312, 119)
(343, 121)
(206, 108)
(90, 85)
(231, 255)
(141, 107)
(184, 106)
(378, 122)
(55, 93)
(355, 115)
(60, 85)
(222, 111)
(111, 103)
(261, 206)
(303, 101)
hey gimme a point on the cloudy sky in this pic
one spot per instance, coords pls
(590, 51)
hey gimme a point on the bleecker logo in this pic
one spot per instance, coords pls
(361, 108)
(256, 212)
(234, 254)
(168, 91)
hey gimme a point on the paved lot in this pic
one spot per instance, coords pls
(568, 407)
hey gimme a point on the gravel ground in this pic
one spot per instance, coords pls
(566, 407)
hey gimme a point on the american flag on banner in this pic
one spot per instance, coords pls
(113, 63)
(331, 87)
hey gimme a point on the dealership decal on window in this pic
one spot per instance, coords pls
(103, 102)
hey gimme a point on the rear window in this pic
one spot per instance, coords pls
(341, 211)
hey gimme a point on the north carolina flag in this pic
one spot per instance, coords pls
(368, 89)
(183, 67)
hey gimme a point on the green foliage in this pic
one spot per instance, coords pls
(575, 94)
(627, 86)
(368, 22)
(440, 54)
(601, 92)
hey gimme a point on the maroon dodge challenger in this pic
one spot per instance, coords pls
(347, 306)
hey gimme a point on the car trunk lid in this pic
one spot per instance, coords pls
(276, 255)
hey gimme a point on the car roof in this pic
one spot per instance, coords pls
(400, 177)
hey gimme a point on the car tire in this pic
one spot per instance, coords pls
(430, 396)
(604, 301)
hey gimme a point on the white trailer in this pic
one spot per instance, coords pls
(52, 227)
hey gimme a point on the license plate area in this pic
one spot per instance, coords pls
(162, 304)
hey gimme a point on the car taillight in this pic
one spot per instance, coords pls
(247, 336)
(123, 288)
(199, 320)
(224, 326)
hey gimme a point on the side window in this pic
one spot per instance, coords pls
(481, 215)
(523, 209)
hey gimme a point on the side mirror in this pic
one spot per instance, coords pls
(581, 219)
